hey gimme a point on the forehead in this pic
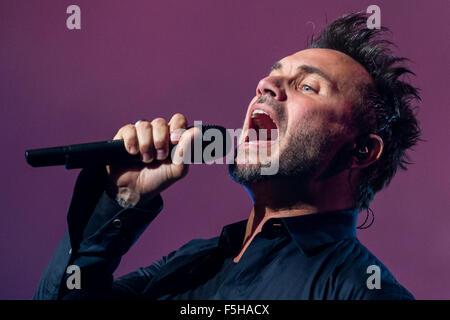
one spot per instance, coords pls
(341, 68)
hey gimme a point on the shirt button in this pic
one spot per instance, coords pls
(117, 223)
(70, 251)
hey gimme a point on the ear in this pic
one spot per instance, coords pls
(374, 145)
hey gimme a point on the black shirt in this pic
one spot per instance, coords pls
(314, 256)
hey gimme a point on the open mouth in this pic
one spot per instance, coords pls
(264, 127)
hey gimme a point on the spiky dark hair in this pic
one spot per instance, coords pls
(385, 108)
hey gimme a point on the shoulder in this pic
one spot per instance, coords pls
(194, 246)
(359, 274)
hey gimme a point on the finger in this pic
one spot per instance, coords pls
(177, 124)
(129, 136)
(160, 130)
(145, 138)
(182, 153)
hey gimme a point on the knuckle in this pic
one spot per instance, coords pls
(179, 116)
(179, 119)
(129, 132)
(124, 129)
(182, 123)
(159, 122)
(144, 125)
(130, 138)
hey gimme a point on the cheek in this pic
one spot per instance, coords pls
(299, 118)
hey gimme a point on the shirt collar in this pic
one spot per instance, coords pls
(316, 230)
(309, 232)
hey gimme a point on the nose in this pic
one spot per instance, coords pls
(272, 86)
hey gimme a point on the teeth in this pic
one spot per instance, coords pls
(257, 111)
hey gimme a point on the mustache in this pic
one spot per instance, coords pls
(266, 99)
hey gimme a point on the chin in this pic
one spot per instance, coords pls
(247, 174)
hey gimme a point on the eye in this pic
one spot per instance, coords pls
(305, 87)
(301, 85)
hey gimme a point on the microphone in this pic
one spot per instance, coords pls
(113, 152)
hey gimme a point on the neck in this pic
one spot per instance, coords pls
(281, 199)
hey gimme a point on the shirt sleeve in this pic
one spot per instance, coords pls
(100, 232)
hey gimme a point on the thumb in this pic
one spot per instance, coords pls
(181, 155)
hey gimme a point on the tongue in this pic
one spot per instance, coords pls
(263, 123)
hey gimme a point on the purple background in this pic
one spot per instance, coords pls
(145, 59)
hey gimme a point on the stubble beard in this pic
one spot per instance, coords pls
(299, 162)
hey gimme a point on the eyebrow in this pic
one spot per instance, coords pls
(306, 69)
(277, 65)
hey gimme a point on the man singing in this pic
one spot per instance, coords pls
(344, 121)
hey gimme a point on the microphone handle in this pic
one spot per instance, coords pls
(83, 155)
(97, 154)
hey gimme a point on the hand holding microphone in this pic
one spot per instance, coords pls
(151, 140)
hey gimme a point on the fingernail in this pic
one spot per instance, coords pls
(160, 154)
(133, 149)
(146, 157)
